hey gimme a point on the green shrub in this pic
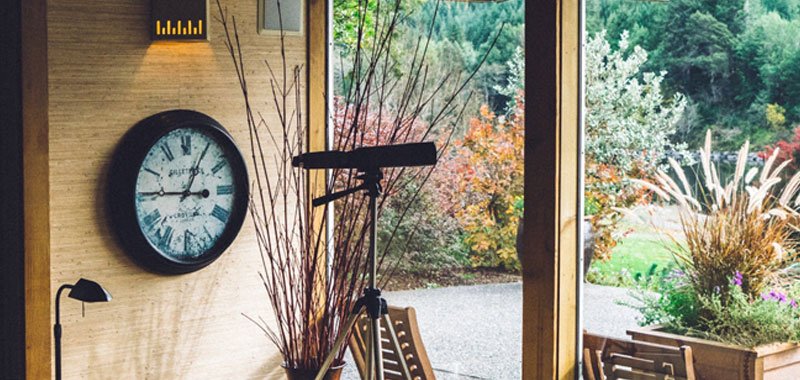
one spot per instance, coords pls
(626, 279)
(735, 318)
(427, 241)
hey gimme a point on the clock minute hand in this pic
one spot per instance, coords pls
(193, 171)
(203, 193)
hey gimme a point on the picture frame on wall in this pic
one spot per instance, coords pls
(293, 15)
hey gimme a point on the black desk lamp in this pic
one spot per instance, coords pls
(83, 290)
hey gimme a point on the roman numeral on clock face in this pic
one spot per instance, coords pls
(186, 145)
(220, 213)
(224, 189)
(150, 219)
(218, 167)
(165, 239)
(167, 152)
(187, 243)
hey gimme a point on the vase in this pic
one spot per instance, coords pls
(720, 361)
(334, 372)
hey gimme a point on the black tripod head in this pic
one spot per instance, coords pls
(372, 184)
(369, 161)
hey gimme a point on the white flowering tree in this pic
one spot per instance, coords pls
(628, 121)
(627, 131)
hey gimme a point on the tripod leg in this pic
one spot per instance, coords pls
(397, 348)
(337, 344)
(378, 352)
(369, 357)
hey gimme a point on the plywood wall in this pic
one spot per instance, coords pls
(104, 76)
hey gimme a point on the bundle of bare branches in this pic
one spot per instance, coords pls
(390, 98)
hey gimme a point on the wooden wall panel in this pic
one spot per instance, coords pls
(105, 75)
(318, 113)
(317, 89)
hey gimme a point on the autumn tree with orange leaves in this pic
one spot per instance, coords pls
(485, 192)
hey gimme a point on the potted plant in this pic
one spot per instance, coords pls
(306, 302)
(312, 275)
(733, 298)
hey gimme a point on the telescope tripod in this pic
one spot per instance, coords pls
(371, 301)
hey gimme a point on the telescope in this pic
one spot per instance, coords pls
(367, 158)
(368, 161)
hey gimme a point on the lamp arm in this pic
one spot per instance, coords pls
(58, 301)
(57, 329)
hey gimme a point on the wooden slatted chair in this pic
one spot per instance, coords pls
(592, 363)
(635, 360)
(401, 338)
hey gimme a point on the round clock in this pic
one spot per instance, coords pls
(178, 191)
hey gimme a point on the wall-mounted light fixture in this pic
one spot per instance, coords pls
(181, 20)
(291, 14)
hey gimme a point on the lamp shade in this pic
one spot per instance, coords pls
(89, 291)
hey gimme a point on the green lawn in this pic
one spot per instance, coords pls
(635, 253)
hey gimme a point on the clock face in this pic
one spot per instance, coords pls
(184, 193)
(178, 191)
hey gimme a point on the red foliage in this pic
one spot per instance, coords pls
(354, 128)
(788, 150)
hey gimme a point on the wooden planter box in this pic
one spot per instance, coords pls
(720, 361)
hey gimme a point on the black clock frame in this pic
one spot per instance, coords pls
(126, 163)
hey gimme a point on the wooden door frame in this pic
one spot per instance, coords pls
(550, 261)
(36, 193)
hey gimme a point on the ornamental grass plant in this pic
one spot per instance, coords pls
(738, 240)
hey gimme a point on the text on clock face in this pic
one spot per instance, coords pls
(184, 193)
(185, 171)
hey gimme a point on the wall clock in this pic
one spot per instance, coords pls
(178, 191)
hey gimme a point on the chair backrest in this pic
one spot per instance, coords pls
(634, 360)
(592, 363)
(406, 334)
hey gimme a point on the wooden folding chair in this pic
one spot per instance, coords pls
(634, 360)
(400, 336)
